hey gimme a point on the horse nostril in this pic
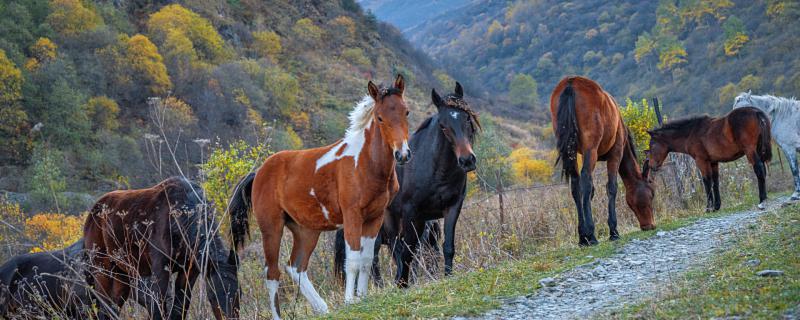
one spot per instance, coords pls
(397, 156)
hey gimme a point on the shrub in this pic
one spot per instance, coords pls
(226, 166)
(53, 230)
(527, 169)
(639, 117)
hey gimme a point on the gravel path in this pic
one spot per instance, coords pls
(631, 274)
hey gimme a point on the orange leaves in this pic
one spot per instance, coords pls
(10, 80)
(53, 230)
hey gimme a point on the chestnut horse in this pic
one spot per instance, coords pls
(709, 141)
(347, 184)
(138, 238)
(586, 120)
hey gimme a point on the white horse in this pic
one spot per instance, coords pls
(785, 116)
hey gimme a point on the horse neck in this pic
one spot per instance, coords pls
(629, 169)
(377, 154)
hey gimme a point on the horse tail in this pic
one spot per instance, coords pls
(567, 131)
(239, 209)
(339, 255)
(764, 147)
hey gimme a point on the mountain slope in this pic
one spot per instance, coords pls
(407, 14)
(694, 55)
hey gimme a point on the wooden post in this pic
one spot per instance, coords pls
(500, 200)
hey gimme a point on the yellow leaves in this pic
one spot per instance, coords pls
(671, 56)
(70, 17)
(103, 112)
(639, 117)
(42, 51)
(10, 80)
(645, 44)
(527, 169)
(53, 230)
(225, 166)
(306, 30)
(294, 140)
(735, 43)
(267, 44)
(178, 113)
(185, 34)
(494, 28)
(356, 57)
(145, 61)
(344, 22)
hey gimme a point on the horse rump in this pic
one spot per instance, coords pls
(567, 131)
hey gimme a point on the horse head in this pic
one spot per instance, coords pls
(391, 115)
(459, 125)
(656, 154)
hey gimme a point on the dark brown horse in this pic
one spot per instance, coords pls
(346, 185)
(709, 141)
(586, 120)
(140, 237)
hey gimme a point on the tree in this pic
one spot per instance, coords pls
(307, 32)
(42, 51)
(267, 44)
(645, 44)
(102, 111)
(70, 17)
(735, 36)
(671, 53)
(523, 90)
(183, 33)
(47, 182)
(639, 117)
(225, 166)
(527, 169)
(147, 65)
(10, 81)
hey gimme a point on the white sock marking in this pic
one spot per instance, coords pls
(272, 287)
(307, 289)
(364, 272)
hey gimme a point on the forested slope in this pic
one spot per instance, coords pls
(103, 94)
(694, 54)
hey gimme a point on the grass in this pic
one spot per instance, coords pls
(728, 287)
(478, 291)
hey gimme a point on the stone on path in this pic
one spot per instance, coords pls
(770, 273)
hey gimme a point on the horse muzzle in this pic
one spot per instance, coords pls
(403, 155)
(468, 163)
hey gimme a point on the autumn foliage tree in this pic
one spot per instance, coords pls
(71, 17)
(183, 34)
(527, 169)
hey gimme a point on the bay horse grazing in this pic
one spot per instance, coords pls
(138, 238)
(586, 120)
(50, 285)
(784, 115)
(742, 132)
(432, 186)
(343, 185)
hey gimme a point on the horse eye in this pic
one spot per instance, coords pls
(380, 119)
(407, 113)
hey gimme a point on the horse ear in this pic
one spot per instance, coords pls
(373, 90)
(437, 100)
(459, 90)
(400, 83)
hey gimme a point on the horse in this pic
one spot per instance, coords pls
(709, 141)
(347, 184)
(49, 284)
(132, 235)
(784, 114)
(586, 120)
(432, 186)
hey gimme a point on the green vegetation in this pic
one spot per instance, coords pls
(729, 287)
(478, 291)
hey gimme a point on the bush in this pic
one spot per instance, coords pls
(226, 166)
(527, 169)
(53, 230)
(639, 117)
(47, 182)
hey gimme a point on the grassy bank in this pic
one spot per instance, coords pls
(478, 291)
(729, 287)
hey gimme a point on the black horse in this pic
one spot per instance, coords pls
(432, 185)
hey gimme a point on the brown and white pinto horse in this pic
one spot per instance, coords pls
(709, 141)
(586, 120)
(347, 184)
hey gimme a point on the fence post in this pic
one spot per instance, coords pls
(499, 180)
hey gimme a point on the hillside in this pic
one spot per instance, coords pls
(405, 14)
(694, 55)
(104, 94)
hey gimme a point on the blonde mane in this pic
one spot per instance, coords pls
(361, 116)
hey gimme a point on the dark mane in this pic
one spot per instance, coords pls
(682, 125)
(631, 144)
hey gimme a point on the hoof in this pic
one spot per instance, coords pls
(592, 242)
(613, 237)
(761, 206)
(795, 196)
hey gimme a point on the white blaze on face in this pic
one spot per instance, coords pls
(272, 288)
(307, 289)
(454, 114)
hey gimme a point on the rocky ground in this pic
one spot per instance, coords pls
(632, 274)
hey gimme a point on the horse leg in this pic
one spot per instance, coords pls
(270, 222)
(305, 240)
(587, 188)
(376, 263)
(353, 253)
(761, 171)
(791, 157)
(430, 242)
(369, 231)
(705, 170)
(574, 184)
(160, 286)
(407, 245)
(184, 282)
(450, 221)
(715, 185)
(611, 189)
